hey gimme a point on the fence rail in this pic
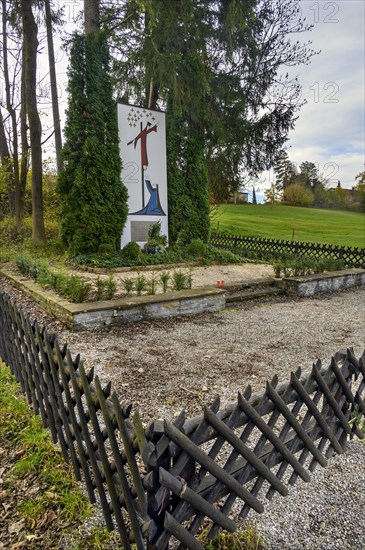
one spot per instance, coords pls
(165, 480)
(352, 257)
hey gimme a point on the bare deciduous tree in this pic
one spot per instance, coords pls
(53, 80)
(30, 38)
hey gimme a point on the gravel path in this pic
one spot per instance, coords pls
(164, 366)
(325, 514)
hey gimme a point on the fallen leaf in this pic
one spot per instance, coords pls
(51, 516)
(42, 522)
(50, 495)
(32, 537)
(14, 528)
(3, 495)
(20, 452)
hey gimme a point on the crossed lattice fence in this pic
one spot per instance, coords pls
(165, 480)
(351, 256)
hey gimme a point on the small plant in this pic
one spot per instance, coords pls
(4, 257)
(164, 279)
(277, 268)
(131, 251)
(189, 279)
(358, 420)
(59, 281)
(248, 540)
(155, 242)
(333, 264)
(23, 264)
(140, 284)
(98, 538)
(197, 248)
(44, 277)
(286, 268)
(318, 266)
(110, 287)
(298, 268)
(128, 285)
(151, 285)
(179, 280)
(77, 289)
(100, 288)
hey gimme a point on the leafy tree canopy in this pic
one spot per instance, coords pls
(222, 63)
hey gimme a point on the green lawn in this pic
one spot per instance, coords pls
(277, 222)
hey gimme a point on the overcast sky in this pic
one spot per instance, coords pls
(330, 128)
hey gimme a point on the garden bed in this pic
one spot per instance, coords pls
(123, 310)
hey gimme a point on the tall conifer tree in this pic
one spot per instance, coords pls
(94, 199)
(254, 199)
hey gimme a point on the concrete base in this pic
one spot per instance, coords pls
(124, 310)
(172, 304)
(324, 282)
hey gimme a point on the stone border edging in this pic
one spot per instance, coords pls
(310, 285)
(172, 304)
(122, 310)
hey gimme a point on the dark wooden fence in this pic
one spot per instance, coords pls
(167, 479)
(352, 257)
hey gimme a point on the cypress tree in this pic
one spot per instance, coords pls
(254, 200)
(188, 195)
(187, 172)
(93, 197)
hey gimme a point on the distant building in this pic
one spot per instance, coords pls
(349, 193)
(240, 197)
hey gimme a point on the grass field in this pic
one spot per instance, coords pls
(278, 222)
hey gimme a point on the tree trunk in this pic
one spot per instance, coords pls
(10, 108)
(5, 160)
(54, 95)
(91, 15)
(24, 164)
(30, 61)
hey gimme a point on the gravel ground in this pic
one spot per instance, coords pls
(325, 514)
(165, 366)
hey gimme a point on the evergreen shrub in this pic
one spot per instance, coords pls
(197, 248)
(188, 197)
(131, 251)
(93, 197)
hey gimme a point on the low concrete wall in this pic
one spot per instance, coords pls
(324, 282)
(123, 310)
(139, 308)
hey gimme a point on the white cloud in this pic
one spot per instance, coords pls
(330, 128)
